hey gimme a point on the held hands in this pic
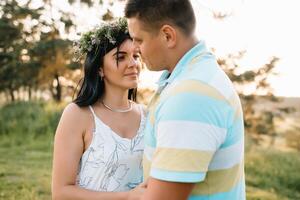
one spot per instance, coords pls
(137, 193)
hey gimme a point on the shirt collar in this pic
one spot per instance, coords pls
(166, 77)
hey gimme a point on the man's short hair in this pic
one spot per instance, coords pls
(155, 13)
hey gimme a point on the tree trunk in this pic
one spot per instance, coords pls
(12, 95)
(29, 93)
(57, 93)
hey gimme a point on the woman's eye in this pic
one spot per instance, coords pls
(136, 56)
(119, 58)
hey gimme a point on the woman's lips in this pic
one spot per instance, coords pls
(131, 74)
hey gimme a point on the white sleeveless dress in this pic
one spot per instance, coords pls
(112, 163)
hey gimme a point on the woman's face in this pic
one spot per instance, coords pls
(122, 68)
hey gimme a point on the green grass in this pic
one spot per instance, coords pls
(272, 175)
(26, 158)
(25, 168)
(26, 135)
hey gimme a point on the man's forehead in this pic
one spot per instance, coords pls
(135, 29)
(133, 21)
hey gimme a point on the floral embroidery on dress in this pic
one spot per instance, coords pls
(112, 163)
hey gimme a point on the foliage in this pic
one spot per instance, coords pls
(54, 55)
(101, 36)
(14, 37)
(34, 55)
(259, 120)
(31, 119)
(293, 138)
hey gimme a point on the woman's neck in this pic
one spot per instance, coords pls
(116, 98)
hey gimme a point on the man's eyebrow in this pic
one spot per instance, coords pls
(136, 38)
(119, 52)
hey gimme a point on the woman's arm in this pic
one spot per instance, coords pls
(68, 149)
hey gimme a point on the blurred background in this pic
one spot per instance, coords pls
(255, 41)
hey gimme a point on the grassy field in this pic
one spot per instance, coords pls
(26, 141)
(272, 175)
(25, 168)
(26, 156)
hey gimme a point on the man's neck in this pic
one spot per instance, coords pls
(185, 44)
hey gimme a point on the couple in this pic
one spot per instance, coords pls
(189, 144)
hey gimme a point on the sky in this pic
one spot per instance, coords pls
(264, 28)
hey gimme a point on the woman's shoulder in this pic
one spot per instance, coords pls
(75, 119)
(73, 108)
(75, 112)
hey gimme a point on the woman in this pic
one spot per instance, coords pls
(99, 143)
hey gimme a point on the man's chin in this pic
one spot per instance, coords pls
(152, 68)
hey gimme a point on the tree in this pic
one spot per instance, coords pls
(13, 43)
(54, 53)
(259, 119)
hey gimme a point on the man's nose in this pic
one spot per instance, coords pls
(135, 44)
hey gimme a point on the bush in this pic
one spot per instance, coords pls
(293, 138)
(29, 119)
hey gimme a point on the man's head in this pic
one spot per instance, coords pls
(159, 28)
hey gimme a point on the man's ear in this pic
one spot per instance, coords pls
(169, 35)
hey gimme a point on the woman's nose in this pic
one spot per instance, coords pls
(133, 62)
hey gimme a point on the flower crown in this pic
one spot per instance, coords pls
(107, 34)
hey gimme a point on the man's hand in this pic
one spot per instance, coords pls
(164, 190)
(137, 193)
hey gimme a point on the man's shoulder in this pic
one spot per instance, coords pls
(193, 86)
(207, 76)
(202, 68)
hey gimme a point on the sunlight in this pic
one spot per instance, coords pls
(262, 28)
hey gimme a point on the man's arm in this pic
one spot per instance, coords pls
(164, 190)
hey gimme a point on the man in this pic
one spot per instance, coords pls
(194, 134)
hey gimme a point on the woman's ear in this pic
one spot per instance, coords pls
(101, 73)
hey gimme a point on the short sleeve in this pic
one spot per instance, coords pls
(191, 126)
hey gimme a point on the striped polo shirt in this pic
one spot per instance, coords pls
(194, 131)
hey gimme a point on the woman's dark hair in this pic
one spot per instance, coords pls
(92, 85)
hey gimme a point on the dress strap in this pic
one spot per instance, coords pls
(95, 118)
(92, 110)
